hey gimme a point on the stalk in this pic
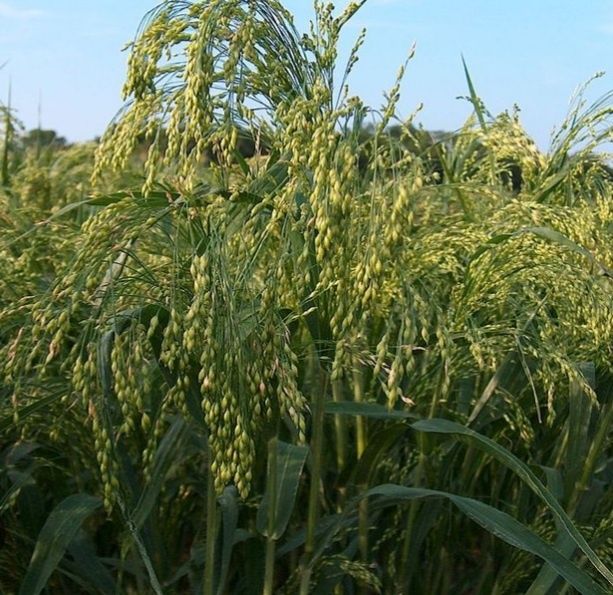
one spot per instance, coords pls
(414, 508)
(314, 488)
(340, 427)
(269, 572)
(211, 535)
(405, 572)
(596, 449)
(271, 488)
(358, 395)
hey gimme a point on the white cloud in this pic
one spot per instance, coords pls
(10, 12)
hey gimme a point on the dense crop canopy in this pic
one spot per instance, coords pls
(228, 301)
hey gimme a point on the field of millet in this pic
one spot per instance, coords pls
(262, 338)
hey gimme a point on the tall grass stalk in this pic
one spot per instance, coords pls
(208, 583)
(271, 488)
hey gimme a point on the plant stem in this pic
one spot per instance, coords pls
(314, 489)
(414, 507)
(405, 572)
(269, 572)
(358, 395)
(363, 529)
(363, 522)
(595, 452)
(211, 536)
(271, 488)
(340, 427)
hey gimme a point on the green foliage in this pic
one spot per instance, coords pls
(242, 353)
(57, 533)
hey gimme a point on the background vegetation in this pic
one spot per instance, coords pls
(263, 338)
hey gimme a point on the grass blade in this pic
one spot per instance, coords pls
(474, 98)
(443, 426)
(58, 531)
(165, 457)
(89, 566)
(290, 461)
(365, 409)
(228, 503)
(502, 526)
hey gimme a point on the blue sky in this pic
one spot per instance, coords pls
(530, 52)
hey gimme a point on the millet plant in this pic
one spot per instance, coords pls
(347, 364)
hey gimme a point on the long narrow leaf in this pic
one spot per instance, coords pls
(290, 461)
(228, 502)
(443, 426)
(58, 531)
(372, 410)
(501, 525)
(165, 457)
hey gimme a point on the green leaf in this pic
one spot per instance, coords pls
(372, 410)
(443, 426)
(580, 441)
(546, 233)
(325, 530)
(501, 525)
(165, 457)
(58, 531)
(31, 509)
(377, 448)
(228, 502)
(290, 460)
(154, 199)
(509, 368)
(558, 238)
(121, 322)
(105, 349)
(17, 452)
(40, 404)
(474, 98)
(19, 479)
(547, 576)
(579, 438)
(242, 163)
(551, 184)
(89, 566)
(514, 533)
(555, 482)
(493, 241)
